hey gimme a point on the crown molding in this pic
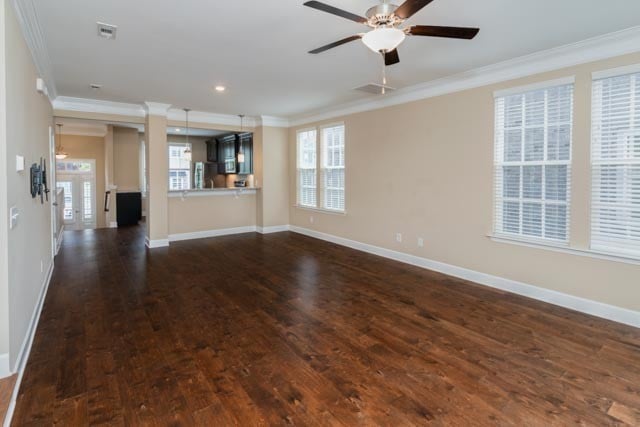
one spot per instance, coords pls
(210, 118)
(156, 108)
(86, 105)
(30, 25)
(594, 49)
(272, 121)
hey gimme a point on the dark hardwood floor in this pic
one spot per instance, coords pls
(284, 329)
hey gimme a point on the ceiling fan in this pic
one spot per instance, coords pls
(386, 20)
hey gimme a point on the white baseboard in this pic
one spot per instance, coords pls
(211, 233)
(272, 229)
(5, 367)
(113, 224)
(157, 243)
(595, 308)
(25, 350)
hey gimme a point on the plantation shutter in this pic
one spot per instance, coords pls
(615, 165)
(306, 169)
(533, 163)
(333, 168)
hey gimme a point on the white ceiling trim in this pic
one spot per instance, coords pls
(156, 108)
(594, 49)
(210, 118)
(86, 105)
(28, 20)
(272, 121)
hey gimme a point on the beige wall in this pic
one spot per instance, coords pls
(4, 212)
(273, 177)
(205, 213)
(425, 169)
(126, 159)
(157, 161)
(90, 147)
(26, 128)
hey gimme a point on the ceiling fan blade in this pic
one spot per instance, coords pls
(335, 11)
(335, 44)
(391, 57)
(410, 7)
(449, 32)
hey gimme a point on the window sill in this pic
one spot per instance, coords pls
(563, 248)
(320, 210)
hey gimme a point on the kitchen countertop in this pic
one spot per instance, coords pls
(214, 191)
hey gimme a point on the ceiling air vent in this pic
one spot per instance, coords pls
(375, 88)
(107, 31)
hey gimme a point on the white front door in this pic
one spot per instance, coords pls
(78, 179)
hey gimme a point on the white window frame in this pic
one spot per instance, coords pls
(320, 187)
(178, 144)
(324, 168)
(602, 242)
(499, 163)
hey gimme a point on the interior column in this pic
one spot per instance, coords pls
(157, 161)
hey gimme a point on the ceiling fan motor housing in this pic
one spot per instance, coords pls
(383, 15)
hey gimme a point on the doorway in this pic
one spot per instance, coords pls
(78, 179)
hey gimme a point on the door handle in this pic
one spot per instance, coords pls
(55, 203)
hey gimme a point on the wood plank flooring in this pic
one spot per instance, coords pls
(6, 391)
(283, 329)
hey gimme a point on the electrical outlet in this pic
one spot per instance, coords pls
(399, 237)
(311, 219)
(420, 242)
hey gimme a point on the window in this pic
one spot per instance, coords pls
(533, 162)
(179, 167)
(332, 157)
(615, 164)
(306, 165)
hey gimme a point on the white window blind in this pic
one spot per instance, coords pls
(333, 168)
(179, 167)
(306, 168)
(533, 163)
(615, 165)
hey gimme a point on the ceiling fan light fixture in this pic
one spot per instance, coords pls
(383, 39)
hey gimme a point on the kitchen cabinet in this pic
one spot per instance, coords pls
(228, 147)
(227, 154)
(244, 142)
(212, 151)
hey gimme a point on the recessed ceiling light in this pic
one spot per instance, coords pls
(177, 129)
(220, 88)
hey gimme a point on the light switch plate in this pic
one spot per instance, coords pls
(14, 214)
(19, 163)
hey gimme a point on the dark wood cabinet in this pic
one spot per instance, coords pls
(212, 151)
(244, 143)
(227, 149)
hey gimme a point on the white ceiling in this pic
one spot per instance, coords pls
(176, 51)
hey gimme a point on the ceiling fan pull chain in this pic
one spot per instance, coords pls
(384, 76)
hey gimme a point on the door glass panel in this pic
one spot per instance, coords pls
(87, 202)
(68, 199)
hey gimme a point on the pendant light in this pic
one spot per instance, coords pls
(240, 152)
(187, 150)
(60, 153)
